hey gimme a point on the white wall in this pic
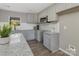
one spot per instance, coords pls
(69, 31)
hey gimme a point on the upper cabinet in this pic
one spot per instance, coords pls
(52, 16)
(32, 18)
(43, 13)
(64, 6)
(35, 18)
(50, 12)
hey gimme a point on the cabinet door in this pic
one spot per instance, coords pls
(46, 41)
(52, 14)
(30, 18)
(54, 42)
(30, 35)
(43, 13)
(38, 35)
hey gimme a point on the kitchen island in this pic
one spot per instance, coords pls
(17, 46)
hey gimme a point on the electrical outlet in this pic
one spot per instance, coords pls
(72, 49)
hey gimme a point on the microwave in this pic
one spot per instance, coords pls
(44, 19)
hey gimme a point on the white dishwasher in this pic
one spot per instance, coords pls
(51, 40)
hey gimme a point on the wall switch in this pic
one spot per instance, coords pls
(65, 27)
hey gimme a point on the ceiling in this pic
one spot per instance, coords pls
(24, 7)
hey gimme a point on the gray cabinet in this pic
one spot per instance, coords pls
(50, 12)
(52, 16)
(38, 35)
(51, 41)
(54, 42)
(46, 41)
(28, 34)
(32, 18)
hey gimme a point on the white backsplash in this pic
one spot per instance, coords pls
(23, 26)
(50, 27)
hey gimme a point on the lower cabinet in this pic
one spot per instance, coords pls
(51, 41)
(46, 41)
(38, 35)
(28, 34)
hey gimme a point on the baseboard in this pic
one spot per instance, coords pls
(54, 51)
(66, 52)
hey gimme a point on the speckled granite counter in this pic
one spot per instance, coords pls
(16, 47)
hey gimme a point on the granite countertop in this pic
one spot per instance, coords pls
(16, 47)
